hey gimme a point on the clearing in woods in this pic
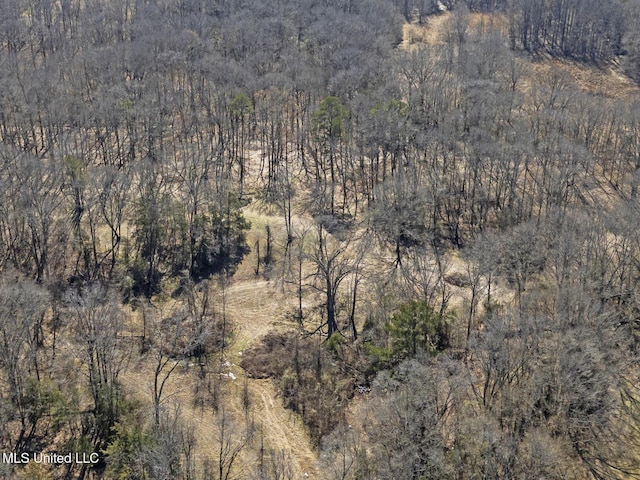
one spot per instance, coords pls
(253, 307)
(256, 307)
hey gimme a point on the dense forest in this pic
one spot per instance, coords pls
(412, 224)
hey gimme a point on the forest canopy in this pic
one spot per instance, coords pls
(413, 224)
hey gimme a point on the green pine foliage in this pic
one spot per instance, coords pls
(416, 328)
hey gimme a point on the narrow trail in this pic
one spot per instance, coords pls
(255, 309)
(282, 429)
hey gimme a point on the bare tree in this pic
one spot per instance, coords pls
(22, 312)
(97, 322)
(231, 440)
(335, 257)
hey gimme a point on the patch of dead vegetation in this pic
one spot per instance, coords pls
(607, 82)
(430, 32)
(311, 379)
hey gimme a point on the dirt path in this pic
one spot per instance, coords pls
(257, 307)
(283, 430)
(254, 307)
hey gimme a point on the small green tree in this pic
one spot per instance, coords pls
(329, 120)
(150, 237)
(223, 243)
(330, 124)
(416, 327)
(124, 453)
(240, 109)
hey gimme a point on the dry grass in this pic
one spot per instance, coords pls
(607, 82)
(430, 32)
(256, 306)
(253, 307)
